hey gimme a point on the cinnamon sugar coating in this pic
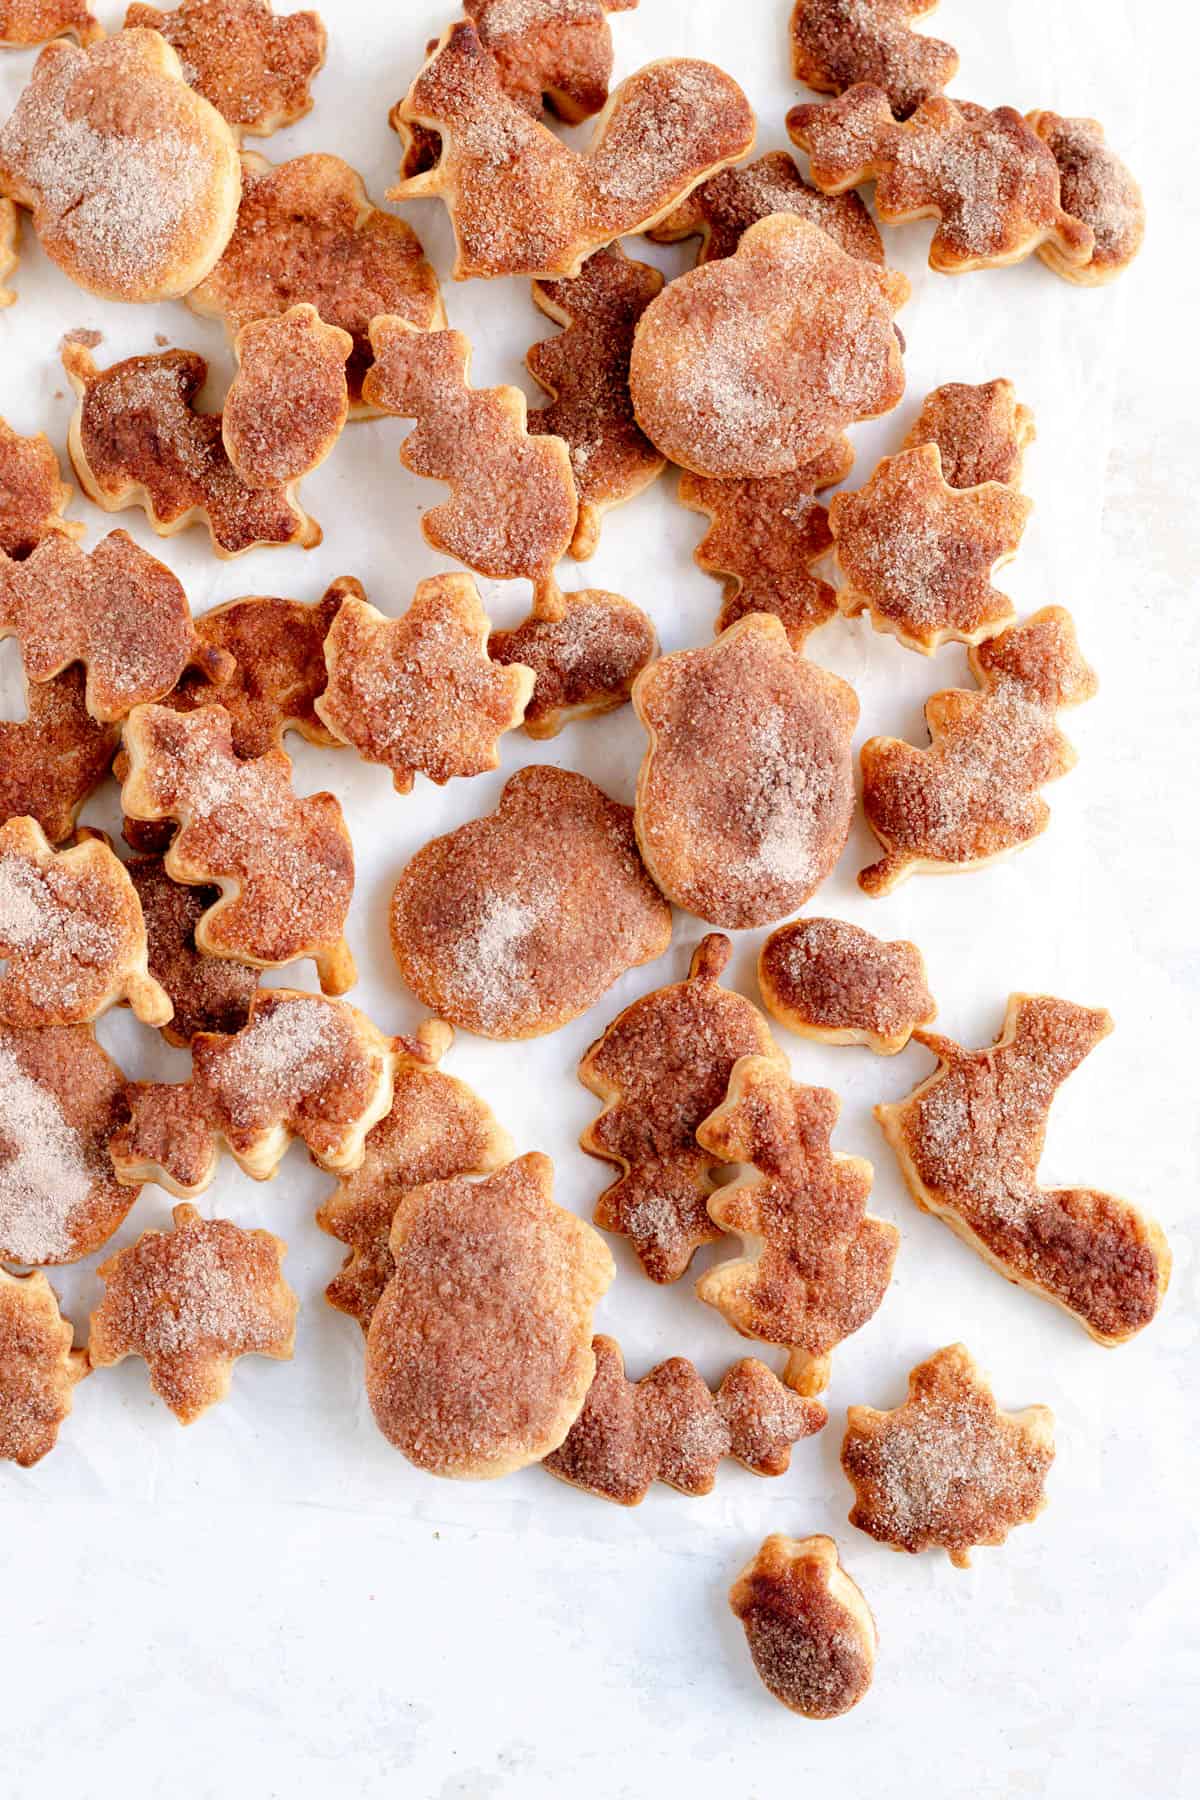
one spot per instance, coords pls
(810, 1632)
(721, 209)
(829, 980)
(116, 610)
(306, 231)
(981, 432)
(10, 255)
(300, 1067)
(746, 790)
(61, 1100)
(838, 42)
(421, 692)
(285, 865)
(38, 1368)
(919, 555)
(972, 796)
(33, 494)
(521, 201)
(24, 23)
(256, 69)
(668, 1427)
(55, 757)
(1097, 190)
(208, 993)
(947, 1470)
(479, 1353)
(437, 1128)
(661, 1068)
(586, 650)
(988, 179)
(132, 179)
(969, 1140)
(288, 402)
(190, 1302)
(586, 373)
(137, 440)
(751, 365)
(71, 933)
(821, 1264)
(519, 921)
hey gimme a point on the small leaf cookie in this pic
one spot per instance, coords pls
(586, 650)
(285, 865)
(189, 1302)
(947, 1470)
(969, 1140)
(61, 1100)
(306, 231)
(822, 1263)
(302, 1066)
(668, 1427)
(981, 432)
(38, 1368)
(832, 981)
(71, 933)
(720, 210)
(919, 555)
(664, 130)
(288, 402)
(436, 1128)
(838, 42)
(746, 790)
(33, 494)
(811, 1634)
(660, 1068)
(751, 365)
(208, 993)
(972, 796)
(421, 692)
(132, 179)
(1097, 190)
(517, 922)
(137, 440)
(24, 23)
(479, 1354)
(254, 68)
(56, 756)
(586, 373)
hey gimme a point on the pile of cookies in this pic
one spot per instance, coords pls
(475, 1291)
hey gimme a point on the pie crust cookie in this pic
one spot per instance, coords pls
(24, 23)
(38, 1368)
(33, 494)
(208, 993)
(1097, 190)
(721, 209)
(256, 69)
(810, 1633)
(838, 42)
(829, 980)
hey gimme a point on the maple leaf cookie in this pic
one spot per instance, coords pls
(1099, 192)
(752, 364)
(969, 1140)
(981, 432)
(825, 979)
(288, 402)
(822, 1263)
(516, 923)
(479, 1354)
(38, 1368)
(838, 42)
(947, 1470)
(661, 1068)
(811, 1634)
(421, 692)
(56, 756)
(746, 793)
(189, 1302)
(256, 69)
(33, 494)
(132, 179)
(720, 210)
(24, 23)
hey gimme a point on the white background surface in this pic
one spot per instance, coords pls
(273, 1601)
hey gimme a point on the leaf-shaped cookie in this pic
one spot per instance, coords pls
(38, 1368)
(256, 69)
(33, 493)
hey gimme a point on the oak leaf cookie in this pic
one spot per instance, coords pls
(437, 1128)
(72, 934)
(919, 555)
(132, 179)
(988, 179)
(969, 1140)
(61, 1101)
(33, 494)
(661, 1068)
(208, 993)
(189, 1302)
(1098, 191)
(811, 1634)
(947, 1470)
(24, 23)
(586, 650)
(517, 922)
(479, 1354)
(832, 981)
(136, 439)
(752, 364)
(56, 756)
(746, 791)
(306, 231)
(285, 865)
(721, 209)
(288, 402)
(821, 1263)
(302, 1066)
(421, 692)
(973, 796)
(981, 432)
(254, 68)
(838, 42)
(38, 1368)
(669, 1427)
(521, 201)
